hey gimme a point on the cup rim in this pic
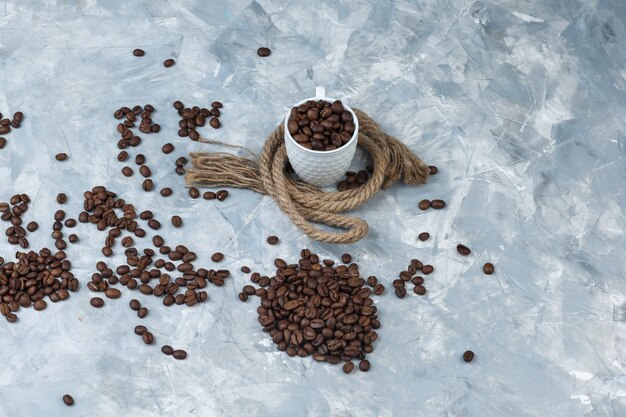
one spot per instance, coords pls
(329, 99)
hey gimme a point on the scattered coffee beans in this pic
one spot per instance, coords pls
(320, 125)
(194, 117)
(488, 268)
(263, 52)
(468, 356)
(353, 180)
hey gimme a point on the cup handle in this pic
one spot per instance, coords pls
(320, 92)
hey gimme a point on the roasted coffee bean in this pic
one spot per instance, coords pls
(438, 204)
(40, 305)
(263, 52)
(217, 105)
(348, 367)
(142, 312)
(488, 268)
(140, 159)
(181, 161)
(243, 297)
(148, 338)
(215, 123)
(272, 240)
(134, 304)
(419, 290)
(424, 204)
(127, 171)
(138, 52)
(3, 142)
(427, 269)
(178, 105)
(144, 170)
(194, 135)
(97, 302)
(154, 224)
(32, 226)
(400, 292)
(59, 215)
(463, 250)
(177, 221)
(194, 193)
(364, 365)
(217, 257)
(61, 198)
(168, 63)
(468, 356)
(379, 289)
(346, 258)
(166, 192)
(167, 148)
(424, 236)
(167, 349)
(70, 223)
(112, 293)
(147, 185)
(140, 330)
(68, 400)
(158, 241)
(179, 354)
(417, 280)
(146, 215)
(61, 156)
(209, 195)
(433, 169)
(245, 269)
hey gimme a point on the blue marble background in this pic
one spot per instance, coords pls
(520, 103)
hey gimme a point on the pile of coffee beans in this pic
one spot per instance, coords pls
(354, 179)
(320, 125)
(57, 229)
(12, 212)
(410, 275)
(6, 124)
(31, 277)
(314, 307)
(193, 117)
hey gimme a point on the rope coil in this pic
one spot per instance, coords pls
(303, 203)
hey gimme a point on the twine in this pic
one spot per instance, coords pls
(305, 204)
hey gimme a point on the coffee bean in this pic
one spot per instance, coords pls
(272, 240)
(178, 105)
(217, 105)
(147, 185)
(463, 250)
(419, 290)
(468, 356)
(3, 142)
(127, 171)
(140, 159)
(433, 169)
(179, 354)
(194, 193)
(438, 204)
(379, 289)
(113, 293)
(145, 171)
(32, 226)
(107, 251)
(167, 349)
(140, 330)
(348, 367)
(424, 204)
(263, 52)
(61, 198)
(134, 304)
(364, 365)
(148, 338)
(243, 297)
(488, 268)
(72, 238)
(167, 148)
(97, 302)
(217, 257)
(194, 135)
(400, 292)
(142, 312)
(70, 223)
(166, 192)
(177, 221)
(427, 269)
(245, 269)
(424, 236)
(61, 156)
(68, 400)
(40, 305)
(158, 241)
(346, 258)
(209, 195)
(417, 280)
(168, 63)
(215, 123)
(138, 52)
(154, 224)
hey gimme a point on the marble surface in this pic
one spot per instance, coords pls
(520, 103)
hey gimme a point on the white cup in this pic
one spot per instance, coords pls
(320, 168)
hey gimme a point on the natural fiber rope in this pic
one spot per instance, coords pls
(304, 203)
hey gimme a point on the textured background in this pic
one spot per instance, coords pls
(520, 103)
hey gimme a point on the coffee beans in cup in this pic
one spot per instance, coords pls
(320, 125)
